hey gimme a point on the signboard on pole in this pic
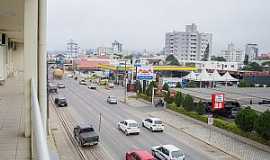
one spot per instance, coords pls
(217, 101)
(145, 73)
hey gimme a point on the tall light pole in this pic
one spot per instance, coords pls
(125, 79)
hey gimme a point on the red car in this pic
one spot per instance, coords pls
(139, 155)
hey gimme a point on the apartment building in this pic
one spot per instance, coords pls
(189, 45)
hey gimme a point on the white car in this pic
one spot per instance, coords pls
(168, 152)
(154, 124)
(112, 100)
(82, 82)
(129, 127)
(110, 85)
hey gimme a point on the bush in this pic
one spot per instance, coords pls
(188, 103)
(178, 99)
(166, 87)
(200, 108)
(178, 85)
(262, 125)
(244, 83)
(149, 89)
(245, 119)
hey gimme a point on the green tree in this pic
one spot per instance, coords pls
(245, 119)
(178, 85)
(200, 108)
(149, 89)
(166, 87)
(178, 99)
(262, 125)
(253, 67)
(171, 60)
(214, 58)
(138, 86)
(188, 103)
(244, 83)
(246, 60)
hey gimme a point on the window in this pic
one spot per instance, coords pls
(166, 152)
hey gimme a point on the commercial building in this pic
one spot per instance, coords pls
(72, 49)
(104, 51)
(117, 47)
(189, 45)
(251, 51)
(232, 54)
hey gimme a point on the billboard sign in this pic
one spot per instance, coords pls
(218, 101)
(145, 73)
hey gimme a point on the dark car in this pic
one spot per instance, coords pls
(85, 135)
(60, 101)
(265, 102)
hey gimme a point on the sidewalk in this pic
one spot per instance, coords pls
(13, 144)
(215, 137)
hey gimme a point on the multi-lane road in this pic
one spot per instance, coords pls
(86, 105)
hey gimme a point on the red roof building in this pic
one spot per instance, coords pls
(92, 63)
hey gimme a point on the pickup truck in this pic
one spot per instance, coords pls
(85, 135)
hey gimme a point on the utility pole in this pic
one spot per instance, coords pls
(153, 94)
(125, 79)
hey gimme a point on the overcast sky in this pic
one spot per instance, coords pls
(142, 24)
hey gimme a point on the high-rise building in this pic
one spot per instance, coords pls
(189, 45)
(252, 51)
(231, 54)
(117, 47)
(72, 49)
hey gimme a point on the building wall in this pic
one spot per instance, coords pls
(252, 51)
(232, 54)
(188, 45)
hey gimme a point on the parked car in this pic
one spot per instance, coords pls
(70, 76)
(61, 85)
(85, 135)
(60, 101)
(52, 88)
(139, 155)
(167, 152)
(92, 86)
(129, 127)
(154, 124)
(112, 100)
(265, 102)
(82, 82)
(110, 85)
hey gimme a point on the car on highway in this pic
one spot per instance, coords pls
(60, 101)
(139, 155)
(60, 85)
(52, 88)
(85, 135)
(154, 124)
(92, 86)
(82, 82)
(265, 102)
(110, 85)
(168, 152)
(129, 127)
(112, 100)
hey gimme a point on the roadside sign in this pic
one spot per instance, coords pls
(218, 101)
(210, 119)
(145, 73)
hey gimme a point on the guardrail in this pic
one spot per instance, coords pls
(39, 138)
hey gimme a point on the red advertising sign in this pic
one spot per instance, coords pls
(218, 101)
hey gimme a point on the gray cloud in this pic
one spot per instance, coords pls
(142, 24)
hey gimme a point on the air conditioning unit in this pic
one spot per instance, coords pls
(3, 39)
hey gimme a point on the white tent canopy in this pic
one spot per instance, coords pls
(228, 78)
(203, 76)
(217, 77)
(190, 76)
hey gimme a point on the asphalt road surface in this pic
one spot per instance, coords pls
(86, 105)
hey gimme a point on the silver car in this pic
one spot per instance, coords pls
(168, 152)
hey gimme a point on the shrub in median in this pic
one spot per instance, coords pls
(245, 119)
(200, 108)
(188, 103)
(262, 125)
(178, 99)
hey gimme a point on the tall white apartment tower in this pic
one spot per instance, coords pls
(72, 49)
(190, 45)
(252, 51)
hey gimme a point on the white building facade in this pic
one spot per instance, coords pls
(189, 45)
(232, 54)
(117, 47)
(252, 51)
